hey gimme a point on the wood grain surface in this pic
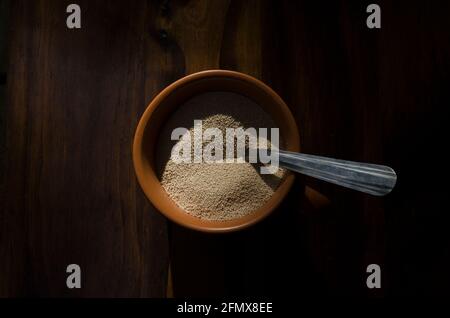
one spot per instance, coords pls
(74, 98)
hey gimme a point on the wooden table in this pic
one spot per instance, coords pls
(74, 96)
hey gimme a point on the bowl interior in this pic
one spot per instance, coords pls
(144, 148)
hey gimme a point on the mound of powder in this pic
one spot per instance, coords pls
(216, 191)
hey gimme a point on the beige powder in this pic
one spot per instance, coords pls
(216, 191)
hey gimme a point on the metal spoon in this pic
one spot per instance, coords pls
(365, 177)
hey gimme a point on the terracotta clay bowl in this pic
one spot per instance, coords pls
(165, 103)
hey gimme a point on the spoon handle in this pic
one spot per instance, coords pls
(365, 177)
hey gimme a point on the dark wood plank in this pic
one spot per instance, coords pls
(261, 260)
(75, 97)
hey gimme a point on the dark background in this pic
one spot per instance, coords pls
(71, 100)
